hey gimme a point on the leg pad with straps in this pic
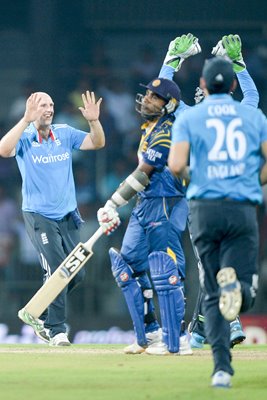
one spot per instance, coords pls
(164, 274)
(132, 291)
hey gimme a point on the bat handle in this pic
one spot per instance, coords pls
(89, 244)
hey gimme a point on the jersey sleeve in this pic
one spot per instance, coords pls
(18, 147)
(166, 72)
(249, 89)
(77, 137)
(180, 132)
(264, 128)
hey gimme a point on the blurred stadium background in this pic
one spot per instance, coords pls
(65, 47)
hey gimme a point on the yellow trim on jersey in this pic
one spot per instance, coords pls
(162, 134)
(171, 254)
(161, 137)
(149, 128)
(162, 142)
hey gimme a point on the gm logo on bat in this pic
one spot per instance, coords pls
(74, 261)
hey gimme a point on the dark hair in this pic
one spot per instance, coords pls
(218, 74)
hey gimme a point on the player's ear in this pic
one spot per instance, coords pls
(233, 86)
(202, 83)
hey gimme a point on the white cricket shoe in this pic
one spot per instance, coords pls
(151, 337)
(221, 379)
(230, 297)
(159, 349)
(154, 337)
(185, 347)
(134, 349)
(61, 339)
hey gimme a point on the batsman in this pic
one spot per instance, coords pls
(153, 238)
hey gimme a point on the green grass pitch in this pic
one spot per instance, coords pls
(103, 372)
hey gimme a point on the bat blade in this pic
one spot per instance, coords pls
(60, 278)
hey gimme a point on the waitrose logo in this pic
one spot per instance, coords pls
(50, 158)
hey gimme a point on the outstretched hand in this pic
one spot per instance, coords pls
(33, 109)
(91, 107)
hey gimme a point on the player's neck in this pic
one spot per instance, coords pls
(44, 131)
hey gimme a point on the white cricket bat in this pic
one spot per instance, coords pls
(61, 277)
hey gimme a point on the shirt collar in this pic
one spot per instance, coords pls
(40, 139)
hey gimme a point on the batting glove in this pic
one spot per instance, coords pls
(181, 48)
(108, 218)
(230, 46)
(199, 95)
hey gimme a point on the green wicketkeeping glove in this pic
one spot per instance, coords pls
(181, 48)
(231, 46)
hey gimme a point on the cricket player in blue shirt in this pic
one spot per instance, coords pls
(226, 142)
(44, 155)
(230, 47)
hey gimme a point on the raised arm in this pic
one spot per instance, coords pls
(91, 111)
(230, 46)
(10, 139)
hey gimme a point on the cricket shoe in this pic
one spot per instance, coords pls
(36, 324)
(151, 337)
(154, 337)
(159, 349)
(230, 296)
(134, 348)
(221, 379)
(43, 334)
(185, 346)
(237, 334)
(197, 341)
(61, 339)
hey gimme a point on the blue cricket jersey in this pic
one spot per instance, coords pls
(46, 170)
(225, 157)
(154, 150)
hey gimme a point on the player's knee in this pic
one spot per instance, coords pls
(164, 272)
(121, 271)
